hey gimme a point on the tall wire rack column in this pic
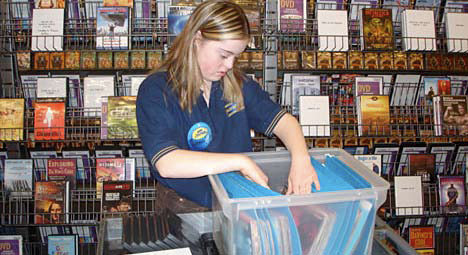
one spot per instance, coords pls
(270, 57)
(8, 68)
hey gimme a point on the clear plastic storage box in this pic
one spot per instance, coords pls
(387, 242)
(339, 222)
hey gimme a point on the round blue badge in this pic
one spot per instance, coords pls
(199, 136)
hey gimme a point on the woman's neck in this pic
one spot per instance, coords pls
(206, 89)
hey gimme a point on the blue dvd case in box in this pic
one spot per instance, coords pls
(249, 219)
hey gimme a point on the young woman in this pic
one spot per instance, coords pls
(195, 112)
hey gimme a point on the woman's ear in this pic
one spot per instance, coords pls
(198, 38)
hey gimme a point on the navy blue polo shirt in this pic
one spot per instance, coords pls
(221, 127)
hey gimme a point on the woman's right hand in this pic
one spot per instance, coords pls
(252, 171)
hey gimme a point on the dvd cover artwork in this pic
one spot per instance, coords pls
(177, 17)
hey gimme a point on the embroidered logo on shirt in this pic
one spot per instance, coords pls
(199, 136)
(231, 109)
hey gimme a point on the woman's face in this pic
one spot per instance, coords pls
(215, 58)
(55, 211)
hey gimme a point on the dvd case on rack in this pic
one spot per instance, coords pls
(39, 157)
(177, 16)
(60, 169)
(452, 194)
(292, 16)
(57, 60)
(407, 148)
(444, 153)
(18, 177)
(389, 152)
(51, 87)
(47, 30)
(121, 117)
(108, 169)
(408, 195)
(372, 162)
(332, 28)
(51, 202)
(62, 244)
(83, 162)
(376, 29)
(314, 115)
(113, 28)
(117, 196)
(12, 119)
(11, 244)
(95, 88)
(49, 120)
(422, 165)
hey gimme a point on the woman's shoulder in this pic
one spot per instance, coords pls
(156, 87)
(154, 82)
(249, 84)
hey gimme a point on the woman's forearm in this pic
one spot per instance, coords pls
(190, 164)
(302, 174)
(290, 133)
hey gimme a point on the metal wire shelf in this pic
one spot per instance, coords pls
(148, 27)
(151, 33)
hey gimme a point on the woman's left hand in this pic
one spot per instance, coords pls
(301, 177)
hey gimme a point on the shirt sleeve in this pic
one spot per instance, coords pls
(263, 114)
(155, 123)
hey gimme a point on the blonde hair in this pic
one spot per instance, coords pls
(216, 20)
